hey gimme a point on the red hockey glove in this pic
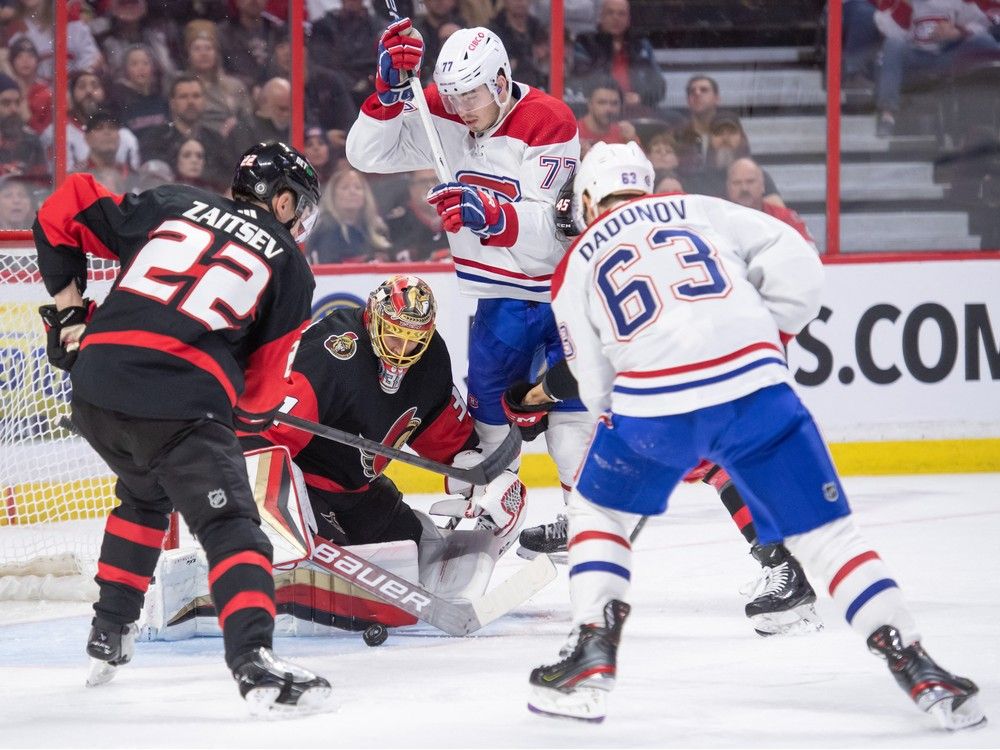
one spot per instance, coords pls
(64, 329)
(532, 420)
(400, 49)
(460, 205)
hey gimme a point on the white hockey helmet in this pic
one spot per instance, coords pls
(470, 58)
(610, 168)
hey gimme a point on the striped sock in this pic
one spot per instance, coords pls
(600, 558)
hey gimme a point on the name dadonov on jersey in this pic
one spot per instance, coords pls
(659, 212)
(356, 569)
(245, 231)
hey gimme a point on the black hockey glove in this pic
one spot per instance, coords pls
(531, 420)
(70, 321)
(245, 421)
(566, 212)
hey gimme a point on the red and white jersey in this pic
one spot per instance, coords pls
(523, 161)
(671, 303)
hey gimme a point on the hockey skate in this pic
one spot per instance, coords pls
(782, 600)
(547, 539)
(577, 686)
(273, 687)
(948, 698)
(109, 646)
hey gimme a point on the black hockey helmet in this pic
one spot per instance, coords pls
(268, 168)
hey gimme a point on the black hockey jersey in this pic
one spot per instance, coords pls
(205, 312)
(335, 382)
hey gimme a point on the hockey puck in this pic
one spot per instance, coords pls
(376, 634)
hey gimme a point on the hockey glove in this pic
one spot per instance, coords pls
(499, 505)
(460, 205)
(64, 329)
(400, 50)
(245, 421)
(567, 211)
(532, 420)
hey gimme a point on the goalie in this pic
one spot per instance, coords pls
(383, 372)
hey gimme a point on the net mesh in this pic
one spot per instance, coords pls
(52, 484)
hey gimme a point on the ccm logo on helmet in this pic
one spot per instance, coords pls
(475, 42)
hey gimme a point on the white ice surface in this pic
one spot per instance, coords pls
(691, 671)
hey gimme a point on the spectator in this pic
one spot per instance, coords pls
(87, 95)
(692, 137)
(628, 57)
(603, 119)
(927, 38)
(271, 120)
(745, 185)
(345, 40)
(478, 12)
(668, 184)
(21, 152)
(317, 151)
(248, 41)
(579, 15)
(35, 19)
(36, 92)
(328, 98)
(661, 150)
(152, 174)
(102, 134)
(520, 32)
(187, 110)
(189, 164)
(415, 227)
(861, 43)
(727, 143)
(226, 98)
(437, 14)
(349, 228)
(136, 96)
(17, 204)
(129, 26)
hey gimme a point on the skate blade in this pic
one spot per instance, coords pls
(101, 672)
(966, 716)
(262, 703)
(558, 558)
(582, 704)
(801, 620)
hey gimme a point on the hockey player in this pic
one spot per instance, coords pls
(511, 148)
(197, 334)
(782, 600)
(382, 372)
(648, 271)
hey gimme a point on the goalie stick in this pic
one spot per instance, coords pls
(454, 617)
(480, 474)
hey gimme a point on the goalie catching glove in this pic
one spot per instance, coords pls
(498, 505)
(64, 329)
(400, 50)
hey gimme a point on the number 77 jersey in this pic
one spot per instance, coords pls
(206, 311)
(671, 303)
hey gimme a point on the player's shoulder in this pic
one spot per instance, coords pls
(539, 119)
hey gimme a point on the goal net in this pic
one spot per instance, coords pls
(54, 489)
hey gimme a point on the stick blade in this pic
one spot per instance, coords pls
(517, 589)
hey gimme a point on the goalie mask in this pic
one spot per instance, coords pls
(400, 319)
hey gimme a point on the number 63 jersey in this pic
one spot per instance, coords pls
(671, 303)
(206, 311)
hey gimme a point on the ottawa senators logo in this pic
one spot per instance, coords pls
(343, 346)
(396, 436)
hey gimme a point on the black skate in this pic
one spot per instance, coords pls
(948, 698)
(274, 686)
(782, 600)
(577, 686)
(109, 646)
(547, 539)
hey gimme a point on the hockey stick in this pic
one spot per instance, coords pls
(637, 529)
(483, 473)
(454, 617)
(420, 104)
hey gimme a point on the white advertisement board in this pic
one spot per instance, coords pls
(900, 351)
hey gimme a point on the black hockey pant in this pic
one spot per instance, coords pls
(197, 467)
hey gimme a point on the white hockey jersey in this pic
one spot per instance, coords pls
(675, 302)
(523, 161)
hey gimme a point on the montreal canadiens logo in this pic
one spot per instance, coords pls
(396, 436)
(343, 346)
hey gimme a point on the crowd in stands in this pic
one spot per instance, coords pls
(175, 90)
